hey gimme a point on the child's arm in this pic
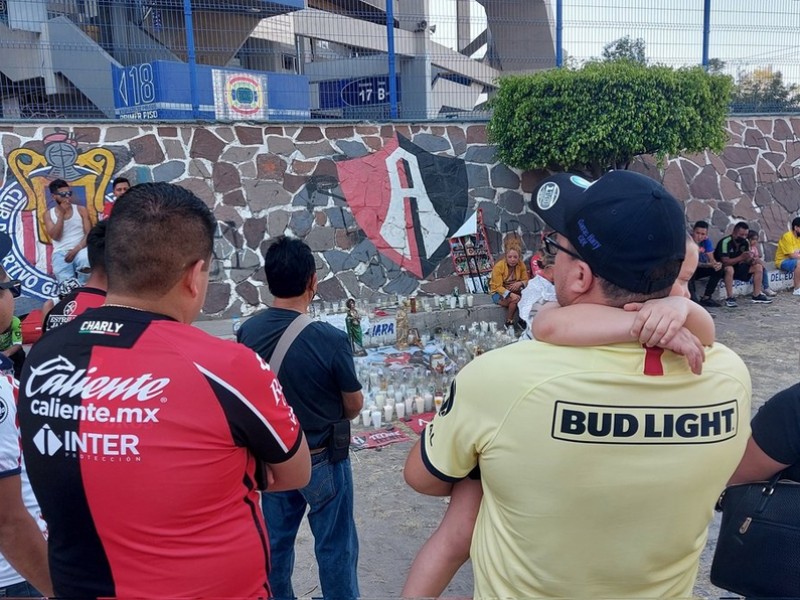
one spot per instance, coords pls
(657, 321)
(447, 549)
(649, 322)
(673, 323)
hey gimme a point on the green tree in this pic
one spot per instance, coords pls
(625, 49)
(715, 65)
(603, 115)
(763, 90)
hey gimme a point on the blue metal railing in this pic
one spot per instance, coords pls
(261, 60)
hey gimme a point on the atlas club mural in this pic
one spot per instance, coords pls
(409, 202)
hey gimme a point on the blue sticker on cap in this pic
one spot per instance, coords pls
(580, 181)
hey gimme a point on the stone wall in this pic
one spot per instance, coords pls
(343, 188)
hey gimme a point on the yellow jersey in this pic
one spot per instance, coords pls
(788, 243)
(600, 466)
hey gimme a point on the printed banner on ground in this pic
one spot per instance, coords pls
(378, 439)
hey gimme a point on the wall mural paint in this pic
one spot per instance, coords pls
(25, 198)
(230, 257)
(375, 202)
(408, 202)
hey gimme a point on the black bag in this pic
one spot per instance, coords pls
(758, 550)
(339, 442)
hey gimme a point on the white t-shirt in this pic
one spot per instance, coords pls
(11, 463)
(538, 291)
(72, 232)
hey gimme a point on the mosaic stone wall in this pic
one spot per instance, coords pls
(341, 188)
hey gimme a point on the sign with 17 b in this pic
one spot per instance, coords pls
(366, 91)
(363, 91)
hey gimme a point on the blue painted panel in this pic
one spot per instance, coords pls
(363, 91)
(270, 6)
(161, 90)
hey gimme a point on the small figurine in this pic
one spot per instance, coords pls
(414, 338)
(401, 326)
(354, 332)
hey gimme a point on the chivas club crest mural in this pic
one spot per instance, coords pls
(24, 199)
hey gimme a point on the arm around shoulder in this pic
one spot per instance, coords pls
(583, 325)
(701, 324)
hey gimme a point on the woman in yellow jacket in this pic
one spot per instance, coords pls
(509, 277)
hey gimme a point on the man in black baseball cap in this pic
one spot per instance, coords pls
(626, 227)
(599, 464)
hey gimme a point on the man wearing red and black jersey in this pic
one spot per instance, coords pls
(144, 436)
(91, 295)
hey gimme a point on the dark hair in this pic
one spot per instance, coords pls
(795, 222)
(700, 225)
(289, 266)
(741, 225)
(752, 234)
(56, 185)
(119, 180)
(154, 233)
(619, 297)
(96, 246)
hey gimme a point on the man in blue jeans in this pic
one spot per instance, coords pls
(319, 381)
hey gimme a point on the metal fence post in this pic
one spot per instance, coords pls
(559, 33)
(191, 58)
(392, 59)
(706, 30)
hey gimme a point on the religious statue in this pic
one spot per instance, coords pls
(401, 326)
(354, 333)
(414, 338)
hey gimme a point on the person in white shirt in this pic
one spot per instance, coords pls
(67, 224)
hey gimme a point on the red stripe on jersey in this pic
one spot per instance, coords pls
(652, 361)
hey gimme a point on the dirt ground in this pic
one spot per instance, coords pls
(393, 521)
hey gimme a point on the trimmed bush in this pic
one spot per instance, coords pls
(603, 115)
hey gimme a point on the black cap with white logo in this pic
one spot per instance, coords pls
(624, 226)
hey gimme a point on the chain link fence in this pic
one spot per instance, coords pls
(296, 60)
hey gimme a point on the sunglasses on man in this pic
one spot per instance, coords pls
(64, 194)
(14, 286)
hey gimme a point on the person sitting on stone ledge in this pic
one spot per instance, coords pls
(752, 239)
(509, 277)
(787, 255)
(708, 266)
(733, 251)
